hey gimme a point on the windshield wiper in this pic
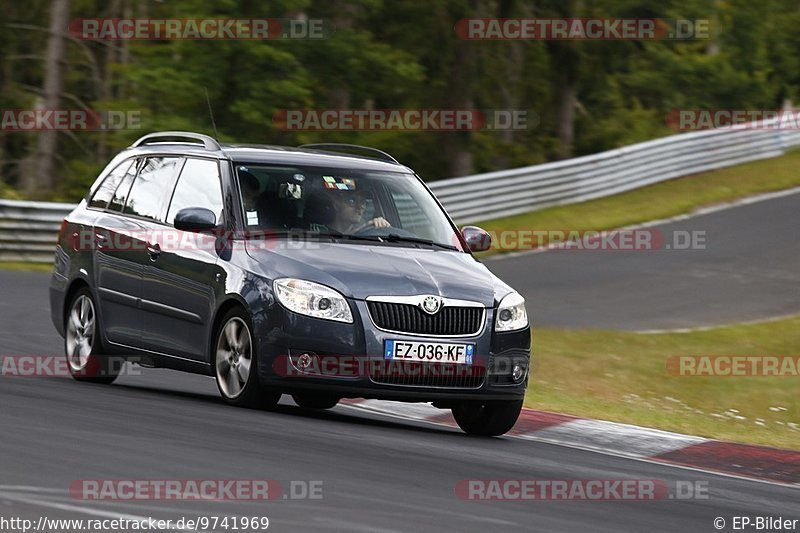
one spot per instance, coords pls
(339, 235)
(394, 237)
(391, 237)
(330, 233)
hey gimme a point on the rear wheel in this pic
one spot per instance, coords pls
(309, 400)
(487, 418)
(236, 364)
(82, 342)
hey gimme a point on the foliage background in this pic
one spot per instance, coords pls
(588, 96)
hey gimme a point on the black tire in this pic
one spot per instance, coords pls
(83, 344)
(489, 418)
(311, 400)
(234, 348)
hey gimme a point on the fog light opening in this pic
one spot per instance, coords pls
(518, 373)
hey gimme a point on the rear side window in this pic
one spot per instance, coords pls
(105, 192)
(124, 188)
(198, 186)
(150, 192)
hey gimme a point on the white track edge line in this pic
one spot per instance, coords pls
(651, 460)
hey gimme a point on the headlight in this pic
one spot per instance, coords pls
(511, 314)
(312, 299)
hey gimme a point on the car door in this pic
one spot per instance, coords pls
(180, 281)
(118, 257)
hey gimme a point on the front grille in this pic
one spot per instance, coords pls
(407, 318)
(428, 375)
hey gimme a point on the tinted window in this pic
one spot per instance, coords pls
(198, 186)
(105, 191)
(150, 191)
(124, 188)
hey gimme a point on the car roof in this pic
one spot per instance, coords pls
(307, 156)
(271, 154)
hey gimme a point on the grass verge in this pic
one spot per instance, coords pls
(20, 266)
(662, 200)
(623, 377)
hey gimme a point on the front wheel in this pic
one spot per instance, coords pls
(82, 342)
(236, 364)
(487, 418)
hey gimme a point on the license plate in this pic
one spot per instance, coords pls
(429, 352)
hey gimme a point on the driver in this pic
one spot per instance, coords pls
(349, 210)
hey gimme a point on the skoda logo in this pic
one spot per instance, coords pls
(431, 304)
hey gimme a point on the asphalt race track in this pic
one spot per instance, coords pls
(377, 474)
(380, 473)
(747, 271)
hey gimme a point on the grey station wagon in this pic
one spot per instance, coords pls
(324, 272)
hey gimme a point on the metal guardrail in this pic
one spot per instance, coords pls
(521, 190)
(28, 229)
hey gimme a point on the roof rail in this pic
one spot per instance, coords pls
(209, 143)
(343, 147)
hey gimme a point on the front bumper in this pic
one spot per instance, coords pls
(348, 360)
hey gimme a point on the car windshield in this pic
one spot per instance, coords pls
(383, 207)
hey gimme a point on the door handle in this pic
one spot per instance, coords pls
(153, 250)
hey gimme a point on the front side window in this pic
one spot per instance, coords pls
(386, 207)
(198, 186)
(151, 189)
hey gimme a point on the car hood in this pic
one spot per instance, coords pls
(362, 270)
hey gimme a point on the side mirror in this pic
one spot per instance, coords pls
(195, 219)
(478, 240)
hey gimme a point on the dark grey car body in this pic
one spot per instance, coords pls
(163, 306)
